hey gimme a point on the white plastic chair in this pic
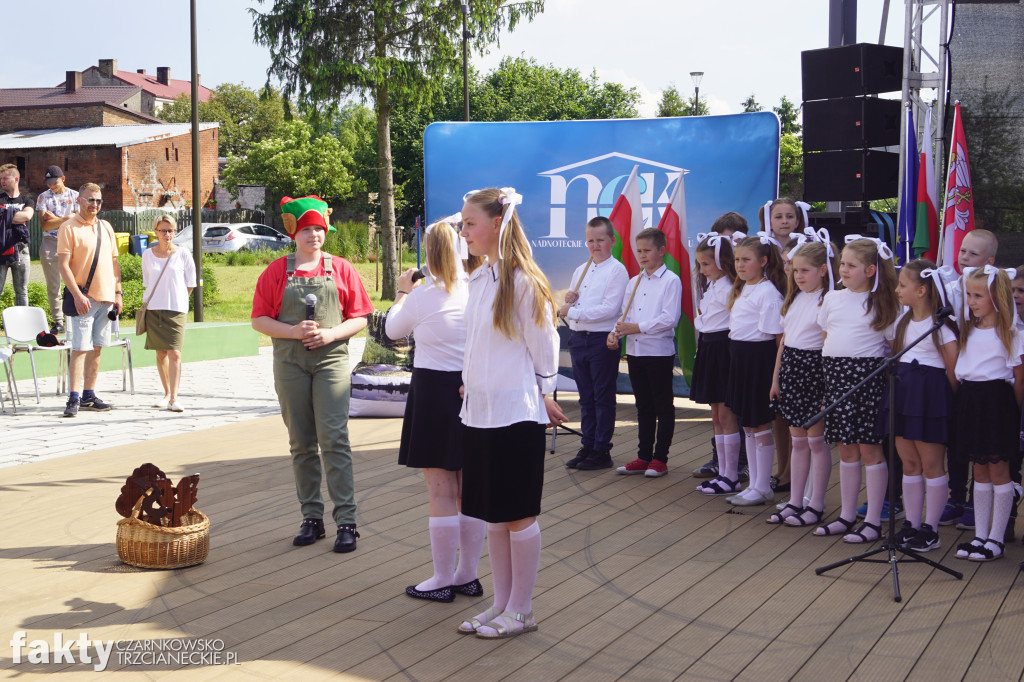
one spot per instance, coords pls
(126, 353)
(6, 353)
(22, 323)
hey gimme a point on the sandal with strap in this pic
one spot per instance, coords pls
(474, 623)
(862, 538)
(986, 554)
(827, 530)
(965, 549)
(779, 519)
(798, 520)
(503, 627)
(720, 485)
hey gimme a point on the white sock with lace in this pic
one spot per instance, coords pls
(729, 456)
(444, 546)
(821, 470)
(1001, 503)
(765, 456)
(983, 493)
(525, 558)
(472, 533)
(799, 468)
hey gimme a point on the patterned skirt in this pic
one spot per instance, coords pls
(710, 368)
(985, 421)
(801, 384)
(853, 421)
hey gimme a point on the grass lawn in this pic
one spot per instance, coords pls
(237, 282)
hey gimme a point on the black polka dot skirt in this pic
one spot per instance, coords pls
(853, 421)
(801, 384)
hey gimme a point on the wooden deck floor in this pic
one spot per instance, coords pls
(641, 579)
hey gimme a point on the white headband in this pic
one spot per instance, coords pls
(509, 199)
(991, 271)
(936, 277)
(802, 205)
(767, 238)
(883, 252)
(714, 239)
(820, 236)
(460, 246)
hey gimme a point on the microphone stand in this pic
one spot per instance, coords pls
(889, 544)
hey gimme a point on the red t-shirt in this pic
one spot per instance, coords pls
(355, 302)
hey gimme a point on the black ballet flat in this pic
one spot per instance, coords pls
(441, 594)
(471, 589)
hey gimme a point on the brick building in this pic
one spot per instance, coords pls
(156, 90)
(138, 166)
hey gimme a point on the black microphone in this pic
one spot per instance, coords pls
(943, 312)
(311, 307)
(418, 275)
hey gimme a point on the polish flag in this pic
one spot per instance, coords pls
(628, 218)
(673, 224)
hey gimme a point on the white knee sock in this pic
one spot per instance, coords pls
(821, 470)
(849, 487)
(913, 499)
(1001, 504)
(878, 476)
(444, 546)
(472, 533)
(751, 443)
(799, 468)
(937, 490)
(729, 456)
(765, 456)
(499, 551)
(525, 563)
(983, 494)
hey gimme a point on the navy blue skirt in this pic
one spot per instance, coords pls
(924, 404)
(751, 367)
(710, 368)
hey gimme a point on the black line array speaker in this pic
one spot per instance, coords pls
(851, 174)
(851, 123)
(851, 70)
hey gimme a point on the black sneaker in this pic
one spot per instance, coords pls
(71, 409)
(57, 328)
(595, 461)
(583, 453)
(925, 540)
(94, 404)
(905, 534)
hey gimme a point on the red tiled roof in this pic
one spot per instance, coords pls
(172, 90)
(58, 97)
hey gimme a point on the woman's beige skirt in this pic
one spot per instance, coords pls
(165, 329)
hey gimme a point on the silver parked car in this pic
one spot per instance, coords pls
(225, 237)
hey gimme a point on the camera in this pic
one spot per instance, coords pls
(113, 313)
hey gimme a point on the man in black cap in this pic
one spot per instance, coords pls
(54, 206)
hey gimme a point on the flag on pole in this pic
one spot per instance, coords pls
(926, 234)
(677, 259)
(907, 219)
(958, 218)
(628, 218)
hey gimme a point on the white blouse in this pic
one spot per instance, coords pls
(756, 313)
(438, 320)
(656, 309)
(843, 316)
(800, 323)
(505, 379)
(714, 307)
(984, 357)
(172, 293)
(925, 352)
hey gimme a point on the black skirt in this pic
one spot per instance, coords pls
(853, 421)
(710, 368)
(751, 366)
(985, 420)
(924, 404)
(503, 472)
(801, 385)
(432, 430)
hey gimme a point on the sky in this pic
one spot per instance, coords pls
(743, 46)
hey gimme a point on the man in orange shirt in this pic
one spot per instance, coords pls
(89, 329)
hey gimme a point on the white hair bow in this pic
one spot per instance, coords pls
(766, 238)
(883, 252)
(768, 216)
(509, 199)
(936, 277)
(714, 239)
(460, 246)
(991, 271)
(804, 208)
(820, 236)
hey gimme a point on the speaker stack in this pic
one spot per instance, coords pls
(845, 126)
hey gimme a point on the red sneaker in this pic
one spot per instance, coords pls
(656, 468)
(637, 466)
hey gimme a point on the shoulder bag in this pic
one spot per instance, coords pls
(67, 303)
(140, 314)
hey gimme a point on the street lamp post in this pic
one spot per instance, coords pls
(696, 76)
(466, 35)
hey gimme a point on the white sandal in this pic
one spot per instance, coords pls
(502, 624)
(473, 623)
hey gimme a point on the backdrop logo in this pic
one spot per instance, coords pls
(589, 188)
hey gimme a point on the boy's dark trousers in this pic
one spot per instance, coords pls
(651, 377)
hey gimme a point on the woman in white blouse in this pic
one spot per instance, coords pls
(166, 300)
(433, 309)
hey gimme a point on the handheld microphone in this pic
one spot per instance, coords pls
(311, 307)
(419, 274)
(943, 312)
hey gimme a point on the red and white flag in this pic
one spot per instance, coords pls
(958, 219)
(628, 218)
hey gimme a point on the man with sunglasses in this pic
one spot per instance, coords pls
(89, 329)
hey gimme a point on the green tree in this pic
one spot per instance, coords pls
(397, 52)
(673, 104)
(245, 116)
(791, 166)
(750, 105)
(296, 162)
(788, 114)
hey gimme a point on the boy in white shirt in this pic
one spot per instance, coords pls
(651, 309)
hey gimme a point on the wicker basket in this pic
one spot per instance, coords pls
(147, 546)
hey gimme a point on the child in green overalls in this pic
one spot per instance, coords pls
(311, 367)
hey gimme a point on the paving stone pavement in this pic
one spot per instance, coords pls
(213, 393)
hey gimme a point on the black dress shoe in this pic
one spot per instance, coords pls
(441, 594)
(583, 453)
(346, 540)
(596, 460)
(471, 589)
(310, 531)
